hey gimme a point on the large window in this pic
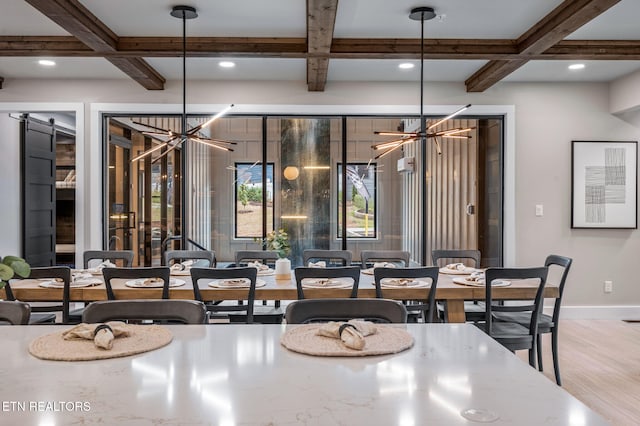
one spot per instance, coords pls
(361, 200)
(249, 191)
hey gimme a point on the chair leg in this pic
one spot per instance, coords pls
(554, 352)
(532, 353)
(539, 349)
(532, 357)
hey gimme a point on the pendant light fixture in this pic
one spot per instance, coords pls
(421, 14)
(172, 139)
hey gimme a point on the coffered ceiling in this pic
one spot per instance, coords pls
(478, 43)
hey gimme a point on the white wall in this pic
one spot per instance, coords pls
(547, 118)
(10, 221)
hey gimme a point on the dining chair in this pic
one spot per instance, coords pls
(425, 309)
(331, 257)
(182, 311)
(162, 272)
(369, 257)
(45, 312)
(325, 310)
(510, 334)
(227, 310)
(264, 256)
(302, 272)
(546, 323)
(203, 258)
(264, 314)
(124, 256)
(473, 310)
(15, 312)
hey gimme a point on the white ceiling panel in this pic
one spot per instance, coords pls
(65, 68)
(387, 70)
(463, 18)
(245, 69)
(238, 18)
(618, 23)
(549, 71)
(19, 18)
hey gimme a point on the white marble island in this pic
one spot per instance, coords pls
(240, 375)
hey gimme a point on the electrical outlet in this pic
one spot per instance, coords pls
(539, 210)
(608, 286)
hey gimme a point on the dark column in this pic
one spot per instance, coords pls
(306, 142)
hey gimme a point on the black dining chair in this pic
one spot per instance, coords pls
(473, 310)
(325, 310)
(426, 309)
(351, 272)
(15, 312)
(235, 313)
(45, 312)
(203, 258)
(511, 334)
(331, 257)
(546, 323)
(266, 313)
(122, 257)
(162, 272)
(181, 311)
(369, 257)
(268, 257)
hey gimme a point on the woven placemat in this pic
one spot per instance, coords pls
(387, 340)
(143, 338)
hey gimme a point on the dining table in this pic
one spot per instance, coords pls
(273, 288)
(225, 374)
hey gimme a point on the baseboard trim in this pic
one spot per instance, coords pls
(600, 312)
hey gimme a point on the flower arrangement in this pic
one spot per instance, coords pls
(279, 241)
(13, 265)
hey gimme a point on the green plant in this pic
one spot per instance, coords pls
(13, 265)
(243, 195)
(279, 241)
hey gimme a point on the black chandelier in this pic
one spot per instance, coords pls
(421, 14)
(172, 139)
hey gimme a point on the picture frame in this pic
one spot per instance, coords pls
(604, 176)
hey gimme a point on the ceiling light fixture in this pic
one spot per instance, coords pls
(171, 139)
(576, 66)
(421, 14)
(406, 66)
(46, 63)
(226, 64)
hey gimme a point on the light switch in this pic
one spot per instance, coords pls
(539, 210)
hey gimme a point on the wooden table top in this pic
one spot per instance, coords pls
(31, 291)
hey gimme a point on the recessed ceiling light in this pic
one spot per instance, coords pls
(46, 63)
(227, 64)
(406, 66)
(576, 66)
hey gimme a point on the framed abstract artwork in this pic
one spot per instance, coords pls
(604, 178)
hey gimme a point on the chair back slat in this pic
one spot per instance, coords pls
(325, 310)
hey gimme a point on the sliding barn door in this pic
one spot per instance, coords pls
(38, 142)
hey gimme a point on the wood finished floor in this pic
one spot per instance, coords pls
(600, 366)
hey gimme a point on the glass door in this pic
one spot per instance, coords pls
(143, 202)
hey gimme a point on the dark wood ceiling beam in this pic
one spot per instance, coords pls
(354, 48)
(78, 21)
(321, 20)
(44, 46)
(214, 46)
(553, 28)
(157, 47)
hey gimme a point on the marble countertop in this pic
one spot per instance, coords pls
(241, 375)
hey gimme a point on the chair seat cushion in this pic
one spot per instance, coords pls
(545, 323)
(511, 335)
(42, 318)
